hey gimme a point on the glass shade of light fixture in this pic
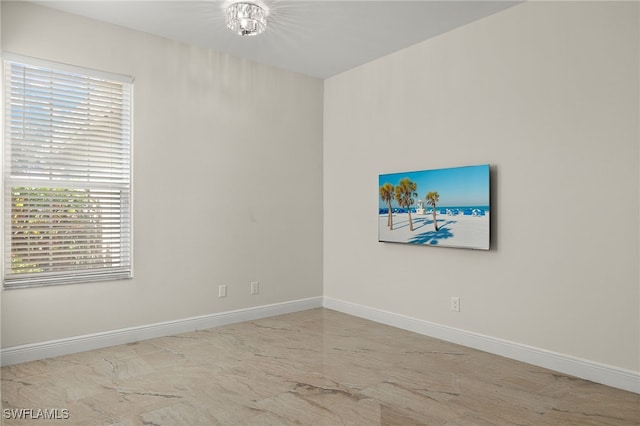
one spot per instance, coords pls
(246, 19)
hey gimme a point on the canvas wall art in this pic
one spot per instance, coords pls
(440, 207)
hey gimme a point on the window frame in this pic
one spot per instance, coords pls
(71, 275)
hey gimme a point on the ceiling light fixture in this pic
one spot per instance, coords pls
(246, 19)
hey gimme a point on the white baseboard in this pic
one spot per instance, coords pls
(52, 348)
(584, 369)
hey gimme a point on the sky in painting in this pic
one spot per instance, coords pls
(458, 186)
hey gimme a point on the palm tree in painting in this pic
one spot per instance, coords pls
(432, 198)
(386, 194)
(405, 196)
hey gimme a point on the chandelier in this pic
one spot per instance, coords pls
(246, 19)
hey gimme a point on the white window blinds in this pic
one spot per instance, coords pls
(67, 175)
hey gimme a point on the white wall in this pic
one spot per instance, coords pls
(547, 93)
(227, 181)
(1, 127)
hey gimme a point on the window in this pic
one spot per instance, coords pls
(67, 174)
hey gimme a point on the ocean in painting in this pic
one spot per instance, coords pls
(450, 210)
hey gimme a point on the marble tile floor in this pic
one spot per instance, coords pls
(317, 367)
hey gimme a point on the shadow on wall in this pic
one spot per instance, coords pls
(495, 209)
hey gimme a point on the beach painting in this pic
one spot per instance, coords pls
(440, 207)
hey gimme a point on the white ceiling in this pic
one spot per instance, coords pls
(317, 38)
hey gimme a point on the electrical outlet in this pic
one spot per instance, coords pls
(455, 304)
(255, 287)
(222, 291)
